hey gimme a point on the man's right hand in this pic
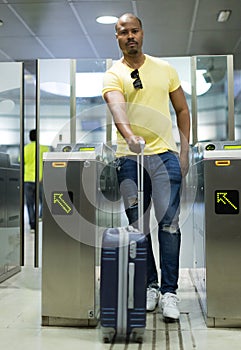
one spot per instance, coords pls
(133, 143)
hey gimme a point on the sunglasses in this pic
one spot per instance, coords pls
(137, 83)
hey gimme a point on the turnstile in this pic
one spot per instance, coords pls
(9, 217)
(76, 209)
(217, 232)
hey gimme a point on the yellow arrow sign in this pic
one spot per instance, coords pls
(221, 197)
(61, 202)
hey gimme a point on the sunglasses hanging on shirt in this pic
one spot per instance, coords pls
(137, 82)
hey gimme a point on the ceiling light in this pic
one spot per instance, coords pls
(6, 106)
(202, 86)
(106, 19)
(224, 15)
(1, 22)
(87, 85)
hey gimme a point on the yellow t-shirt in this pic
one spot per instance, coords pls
(147, 108)
(29, 161)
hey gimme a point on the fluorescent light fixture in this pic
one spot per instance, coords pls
(87, 85)
(6, 106)
(106, 19)
(223, 15)
(201, 85)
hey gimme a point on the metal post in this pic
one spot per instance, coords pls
(36, 237)
(22, 167)
(231, 126)
(108, 114)
(73, 101)
(194, 99)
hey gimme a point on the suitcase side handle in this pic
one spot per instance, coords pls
(131, 285)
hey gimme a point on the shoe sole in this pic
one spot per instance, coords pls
(170, 320)
(152, 309)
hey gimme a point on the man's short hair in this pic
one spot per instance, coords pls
(130, 15)
(32, 135)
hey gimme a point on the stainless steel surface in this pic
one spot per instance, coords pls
(10, 178)
(71, 239)
(217, 236)
(9, 222)
(68, 272)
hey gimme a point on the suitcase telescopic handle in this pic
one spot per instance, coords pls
(140, 180)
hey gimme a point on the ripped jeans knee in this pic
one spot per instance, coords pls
(170, 228)
(131, 207)
(132, 201)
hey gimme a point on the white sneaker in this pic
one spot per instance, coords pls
(168, 304)
(152, 298)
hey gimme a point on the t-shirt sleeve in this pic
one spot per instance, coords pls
(111, 82)
(174, 79)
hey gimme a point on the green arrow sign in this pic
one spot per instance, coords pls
(62, 203)
(227, 202)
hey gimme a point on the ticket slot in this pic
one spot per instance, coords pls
(59, 164)
(222, 162)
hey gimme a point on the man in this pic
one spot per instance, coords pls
(29, 177)
(137, 89)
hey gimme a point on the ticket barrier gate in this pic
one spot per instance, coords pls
(9, 217)
(217, 232)
(76, 209)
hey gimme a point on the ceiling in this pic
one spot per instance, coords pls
(35, 29)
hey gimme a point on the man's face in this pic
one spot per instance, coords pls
(129, 35)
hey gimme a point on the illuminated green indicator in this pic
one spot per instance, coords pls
(62, 203)
(227, 202)
(84, 149)
(67, 149)
(210, 147)
(232, 147)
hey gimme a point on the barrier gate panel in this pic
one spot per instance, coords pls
(217, 233)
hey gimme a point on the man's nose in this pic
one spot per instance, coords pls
(130, 34)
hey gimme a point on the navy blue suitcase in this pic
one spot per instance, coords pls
(123, 284)
(123, 277)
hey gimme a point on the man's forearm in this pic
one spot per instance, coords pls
(183, 123)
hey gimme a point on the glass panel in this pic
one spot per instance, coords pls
(10, 119)
(90, 106)
(55, 102)
(183, 68)
(54, 114)
(212, 98)
(237, 103)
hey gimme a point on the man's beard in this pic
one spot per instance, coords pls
(132, 51)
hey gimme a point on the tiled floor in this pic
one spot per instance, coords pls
(20, 321)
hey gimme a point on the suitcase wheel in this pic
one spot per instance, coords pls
(106, 340)
(139, 340)
(137, 337)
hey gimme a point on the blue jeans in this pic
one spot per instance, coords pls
(29, 188)
(162, 185)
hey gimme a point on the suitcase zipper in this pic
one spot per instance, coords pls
(122, 286)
